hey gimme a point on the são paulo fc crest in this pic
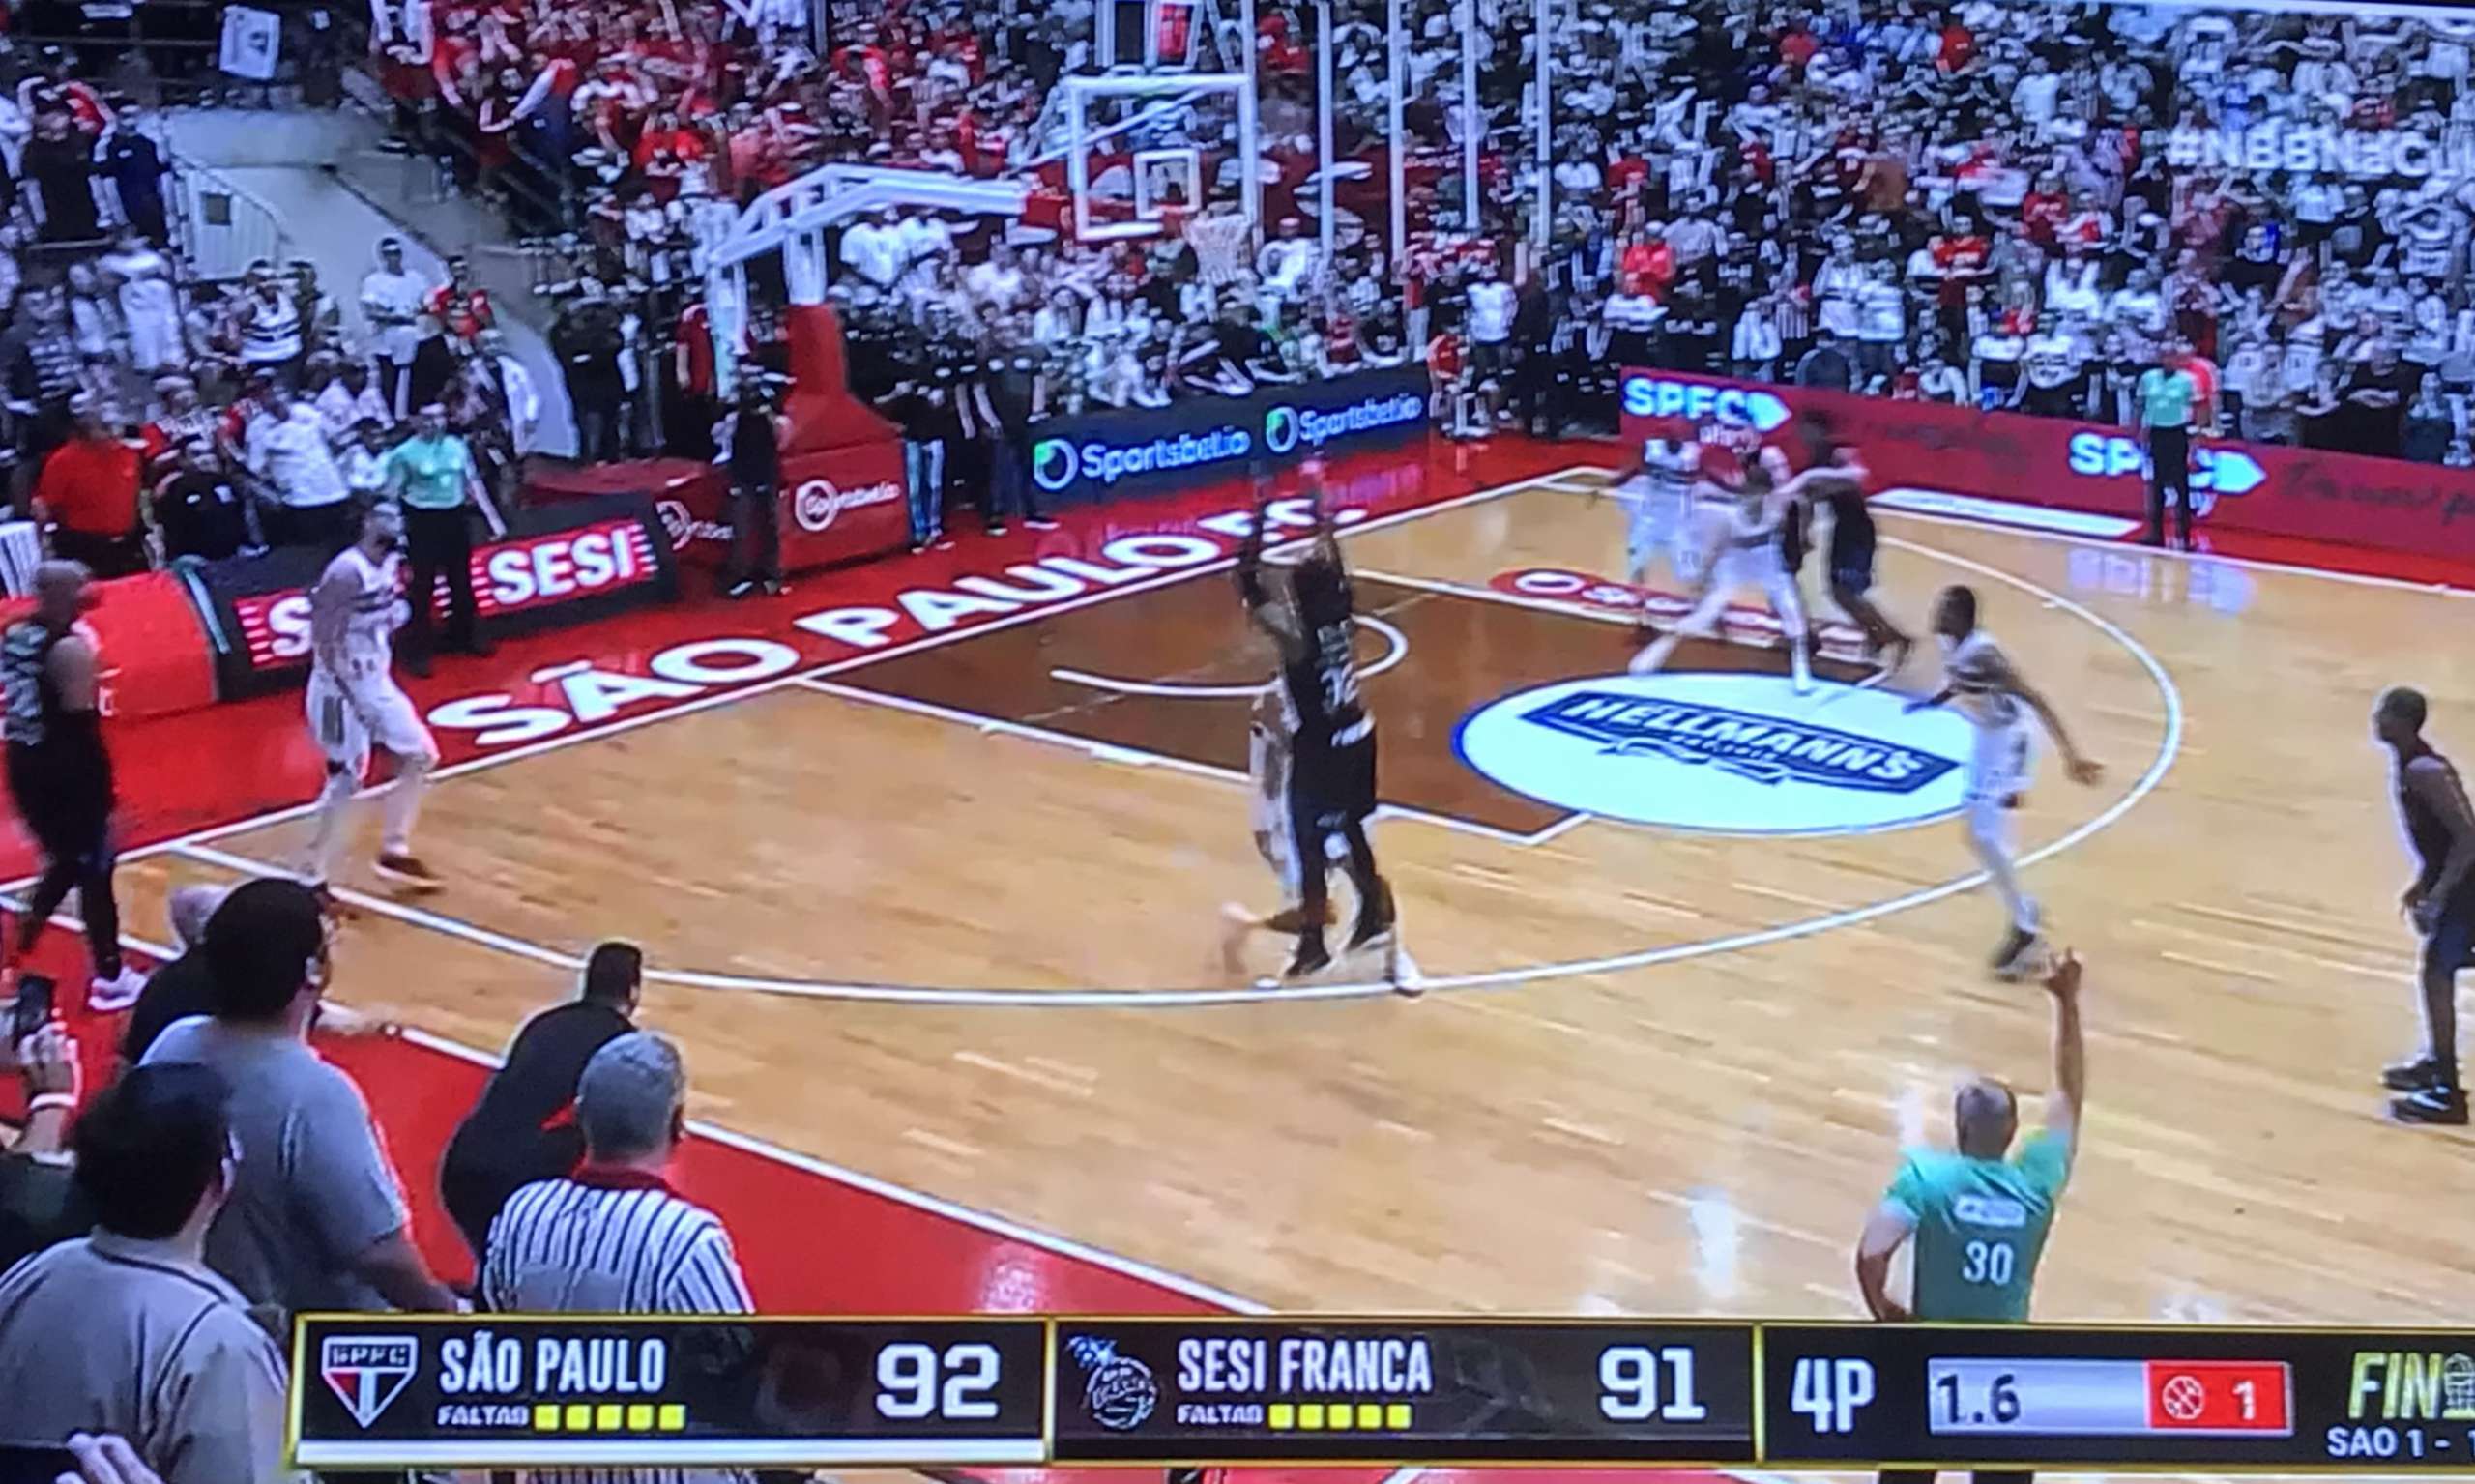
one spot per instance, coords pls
(366, 1372)
(1734, 753)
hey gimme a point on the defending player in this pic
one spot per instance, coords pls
(1658, 488)
(1979, 1215)
(1332, 786)
(354, 701)
(2440, 901)
(1991, 694)
(1270, 755)
(1744, 552)
(1840, 480)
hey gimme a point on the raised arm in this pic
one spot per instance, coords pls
(1261, 610)
(2070, 1051)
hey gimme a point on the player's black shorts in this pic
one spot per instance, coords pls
(67, 809)
(1851, 556)
(1330, 789)
(2451, 947)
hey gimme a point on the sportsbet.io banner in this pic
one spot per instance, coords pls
(1110, 455)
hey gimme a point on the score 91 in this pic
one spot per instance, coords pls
(1631, 1387)
(916, 1381)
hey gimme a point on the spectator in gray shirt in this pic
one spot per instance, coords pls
(127, 1332)
(318, 1220)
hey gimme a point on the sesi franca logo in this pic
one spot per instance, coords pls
(1736, 753)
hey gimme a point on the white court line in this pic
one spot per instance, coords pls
(2117, 547)
(1133, 757)
(916, 1200)
(1396, 647)
(576, 736)
(2192, 558)
(2169, 744)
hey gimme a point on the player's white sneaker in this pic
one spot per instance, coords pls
(111, 997)
(1800, 670)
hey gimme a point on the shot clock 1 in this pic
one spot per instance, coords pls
(2039, 1395)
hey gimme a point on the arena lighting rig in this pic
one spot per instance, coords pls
(514, 1390)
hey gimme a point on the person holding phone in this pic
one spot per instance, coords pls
(39, 1203)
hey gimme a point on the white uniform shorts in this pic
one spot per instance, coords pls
(2002, 763)
(1652, 533)
(347, 716)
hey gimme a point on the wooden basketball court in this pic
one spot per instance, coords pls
(952, 919)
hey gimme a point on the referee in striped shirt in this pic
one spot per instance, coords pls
(614, 1238)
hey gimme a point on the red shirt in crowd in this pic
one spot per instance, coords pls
(90, 486)
(1798, 47)
(1959, 48)
(2041, 213)
(465, 313)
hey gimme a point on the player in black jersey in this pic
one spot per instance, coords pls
(60, 776)
(1331, 781)
(2440, 901)
(1839, 480)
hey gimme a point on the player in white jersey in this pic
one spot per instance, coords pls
(1658, 492)
(1979, 680)
(1738, 535)
(354, 701)
(1268, 768)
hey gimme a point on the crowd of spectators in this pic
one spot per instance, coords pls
(1998, 203)
(229, 1177)
(2024, 205)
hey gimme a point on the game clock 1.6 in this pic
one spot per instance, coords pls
(2233, 1399)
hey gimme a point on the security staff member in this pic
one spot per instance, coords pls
(433, 474)
(2162, 404)
(522, 1129)
(751, 442)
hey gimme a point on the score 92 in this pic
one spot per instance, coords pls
(1637, 1383)
(916, 1382)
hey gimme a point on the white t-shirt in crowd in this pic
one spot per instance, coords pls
(1491, 311)
(873, 252)
(290, 452)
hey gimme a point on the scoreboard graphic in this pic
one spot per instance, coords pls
(396, 1391)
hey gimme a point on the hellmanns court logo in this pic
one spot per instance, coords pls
(366, 1372)
(1731, 752)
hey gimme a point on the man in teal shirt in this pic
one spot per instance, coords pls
(2162, 404)
(433, 474)
(1979, 1215)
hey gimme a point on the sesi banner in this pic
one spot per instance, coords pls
(566, 563)
(2266, 488)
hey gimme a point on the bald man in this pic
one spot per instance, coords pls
(1979, 1215)
(2440, 902)
(60, 776)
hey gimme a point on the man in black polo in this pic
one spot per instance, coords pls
(523, 1130)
